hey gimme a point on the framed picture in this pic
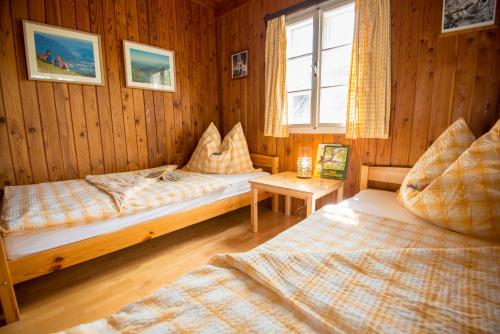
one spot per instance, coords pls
(335, 161)
(59, 54)
(239, 65)
(461, 15)
(149, 67)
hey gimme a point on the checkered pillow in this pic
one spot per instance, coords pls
(466, 197)
(439, 156)
(208, 144)
(229, 157)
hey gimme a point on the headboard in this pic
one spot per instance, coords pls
(268, 163)
(393, 175)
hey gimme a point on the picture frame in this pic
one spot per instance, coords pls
(468, 15)
(335, 161)
(239, 65)
(149, 67)
(62, 55)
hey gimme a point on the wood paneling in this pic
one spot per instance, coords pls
(435, 80)
(56, 131)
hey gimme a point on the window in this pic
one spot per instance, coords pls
(319, 43)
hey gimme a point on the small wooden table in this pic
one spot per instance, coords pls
(289, 185)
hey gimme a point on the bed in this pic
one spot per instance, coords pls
(24, 256)
(363, 265)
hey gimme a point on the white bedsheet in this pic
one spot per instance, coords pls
(18, 245)
(380, 203)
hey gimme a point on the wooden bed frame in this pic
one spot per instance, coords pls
(394, 175)
(42, 263)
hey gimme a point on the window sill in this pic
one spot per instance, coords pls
(318, 130)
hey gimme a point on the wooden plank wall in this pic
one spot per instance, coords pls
(435, 80)
(56, 131)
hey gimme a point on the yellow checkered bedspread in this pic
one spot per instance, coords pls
(28, 208)
(339, 271)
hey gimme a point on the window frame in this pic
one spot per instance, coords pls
(316, 13)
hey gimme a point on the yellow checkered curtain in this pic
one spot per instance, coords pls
(276, 112)
(369, 100)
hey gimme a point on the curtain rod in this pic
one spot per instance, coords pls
(292, 9)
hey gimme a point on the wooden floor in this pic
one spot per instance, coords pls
(97, 288)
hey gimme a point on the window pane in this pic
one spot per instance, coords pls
(335, 66)
(338, 26)
(299, 108)
(299, 38)
(298, 73)
(333, 105)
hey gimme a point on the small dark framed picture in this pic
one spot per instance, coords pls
(467, 15)
(239, 65)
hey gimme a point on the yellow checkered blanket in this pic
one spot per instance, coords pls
(339, 271)
(28, 208)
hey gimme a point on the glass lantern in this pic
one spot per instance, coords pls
(304, 164)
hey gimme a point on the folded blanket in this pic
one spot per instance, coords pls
(414, 290)
(68, 203)
(401, 290)
(123, 186)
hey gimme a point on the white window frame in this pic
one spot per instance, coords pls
(316, 12)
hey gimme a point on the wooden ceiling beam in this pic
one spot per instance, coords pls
(227, 5)
(221, 6)
(207, 3)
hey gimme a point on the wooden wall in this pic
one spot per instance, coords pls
(56, 131)
(435, 80)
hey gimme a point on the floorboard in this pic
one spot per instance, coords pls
(99, 287)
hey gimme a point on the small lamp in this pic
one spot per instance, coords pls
(304, 163)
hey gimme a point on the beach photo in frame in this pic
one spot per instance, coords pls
(239, 65)
(467, 15)
(335, 161)
(60, 54)
(148, 67)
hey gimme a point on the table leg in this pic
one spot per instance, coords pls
(340, 194)
(254, 209)
(311, 205)
(288, 205)
(275, 203)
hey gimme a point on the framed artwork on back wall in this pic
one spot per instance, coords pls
(59, 54)
(239, 65)
(149, 67)
(467, 15)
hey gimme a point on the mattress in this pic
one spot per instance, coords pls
(18, 245)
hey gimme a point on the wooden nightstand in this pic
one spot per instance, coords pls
(289, 185)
